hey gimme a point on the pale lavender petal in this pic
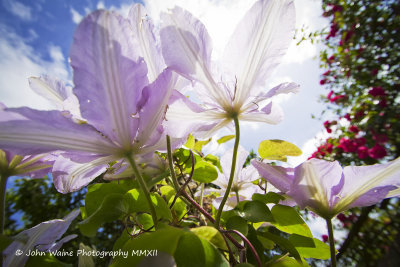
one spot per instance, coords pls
(56, 246)
(184, 116)
(283, 88)
(44, 234)
(45, 131)
(271, 113)
(314, 180)
(52, 89)
(259, 43)
(367, 185)
(373, 196)
(279, 177)
(226, 162)
(108, 74)
(69, 176)
(186, 47)
(154, 100)
(148, 45)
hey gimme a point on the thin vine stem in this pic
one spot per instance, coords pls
(144, 188)
(3, 184)
(331, 242)
(232, 175)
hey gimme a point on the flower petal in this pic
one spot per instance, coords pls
(271, 113)
(52, 89)
(375, 181)
(36, 132)
(70, 176)
(186, 47)
(283, 88)
(155, 98)
(259, 43)
(314, 180)
(41, 236)
(184, 117)
(279, 177)
(148, 45)
(108, 74)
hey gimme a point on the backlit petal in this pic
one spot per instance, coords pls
(259, 43)
(108, 74)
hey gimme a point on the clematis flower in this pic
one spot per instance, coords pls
(122, 102)
(43, 237)
(328, 189)
(35, 166)
(242, 187)
(234, 86)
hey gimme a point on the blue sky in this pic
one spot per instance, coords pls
(35, 37)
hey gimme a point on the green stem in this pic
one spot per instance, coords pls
(237, 196)
(331, 242)
(171, 164)
(144, 188)
(230, 182)
(3, 184)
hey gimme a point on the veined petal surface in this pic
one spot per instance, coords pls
(37, 132)
(108, 74)
(258, 44)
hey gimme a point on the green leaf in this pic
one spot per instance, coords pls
(256, 211)
(194, 251)
(289, 221)
(138, 203)
(225, 138)
(310, 247)
(85, 260)
(270, 197)
(284, 261)
(45, 261)
(237, 223)
(211, 235)
(198, 146)
(145, 220)
(163, 240)
(214, 160)
(112, 207)
(277, 150)
(204, 172)
(96, 193)
(190, 142)
(168, 192)
(283, 243)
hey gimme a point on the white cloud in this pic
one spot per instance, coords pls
(19, 61)
(76, 16)
(18, 9)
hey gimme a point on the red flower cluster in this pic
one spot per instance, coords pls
(335, 98)
(328, 124)
(346, 220)
(377, 152)
(333, 31)
(377, 91)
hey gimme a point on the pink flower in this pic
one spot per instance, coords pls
(347, 117)
(325, 238)
(322, 82)
(354, 129)
(347, 145)
(380, 138)
(377, 91)
(377, 152)
(362, 152)
(374, 72)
